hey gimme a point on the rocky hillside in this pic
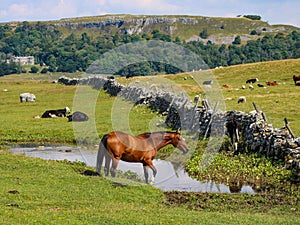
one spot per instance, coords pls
(219, 30)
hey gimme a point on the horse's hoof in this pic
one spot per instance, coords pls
(152, 181)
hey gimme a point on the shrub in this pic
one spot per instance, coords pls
(237, 40)
(34, 69)
(253, 17)
(204, 34)
(44, 70)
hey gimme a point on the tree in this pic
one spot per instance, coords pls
(44, 70)
(34, 69)
(237, 40)
(9, 68)
(253, 17)
(204, 34)
(116, 39)
(51, 62)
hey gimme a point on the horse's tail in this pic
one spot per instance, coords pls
(101, 153)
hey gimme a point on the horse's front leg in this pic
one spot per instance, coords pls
(150, 164)
(146, 172)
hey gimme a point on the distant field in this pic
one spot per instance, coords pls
(277, 102)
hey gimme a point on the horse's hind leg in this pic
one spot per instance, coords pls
(114, 167)
(101, 154)
(100, 157)
(107, 164)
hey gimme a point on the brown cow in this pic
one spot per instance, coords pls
(296, 78)
(273, 83)
(227, 86)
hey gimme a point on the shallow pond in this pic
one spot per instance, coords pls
(167, 179)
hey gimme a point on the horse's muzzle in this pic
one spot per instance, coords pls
(185, 150)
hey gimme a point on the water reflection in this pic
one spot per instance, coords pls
(167, 178)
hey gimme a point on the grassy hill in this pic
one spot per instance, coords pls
(277, 102)
(220, 30)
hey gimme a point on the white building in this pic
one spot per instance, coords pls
(23, 60)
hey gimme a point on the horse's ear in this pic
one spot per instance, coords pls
(178, 130)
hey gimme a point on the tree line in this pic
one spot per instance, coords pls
(57, 51)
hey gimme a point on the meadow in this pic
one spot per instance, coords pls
(277, 102)
(35, 191)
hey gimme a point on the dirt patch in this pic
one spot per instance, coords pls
(233, 202)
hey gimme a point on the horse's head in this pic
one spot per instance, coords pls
(180, 143)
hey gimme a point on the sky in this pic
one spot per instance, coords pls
(272, 11)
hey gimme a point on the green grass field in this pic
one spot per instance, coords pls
(35, 191)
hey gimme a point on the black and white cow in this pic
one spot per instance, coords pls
(251, 81)
(78, 117)
(56, 113)
(242, 99)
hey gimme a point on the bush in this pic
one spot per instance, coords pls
(204, 34)
(34, 69)
(44, 70)
(253, 17)
(237, 40)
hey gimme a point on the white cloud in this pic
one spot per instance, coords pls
(144, 6)
(16, 11)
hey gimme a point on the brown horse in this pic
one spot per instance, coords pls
(118, 146)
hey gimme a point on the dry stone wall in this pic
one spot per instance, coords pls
(256, 134)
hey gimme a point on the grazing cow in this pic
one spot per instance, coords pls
(78, 117)
(227, 86)
(208, 82)
(251, 81)
(27, 97)
(56, 113)
(129, 75)
(296, 79)
(273, 83)
(251, 87)
(242, 99)
(197, 99)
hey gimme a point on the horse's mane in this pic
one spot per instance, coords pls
(158, 132)
(148, 134)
